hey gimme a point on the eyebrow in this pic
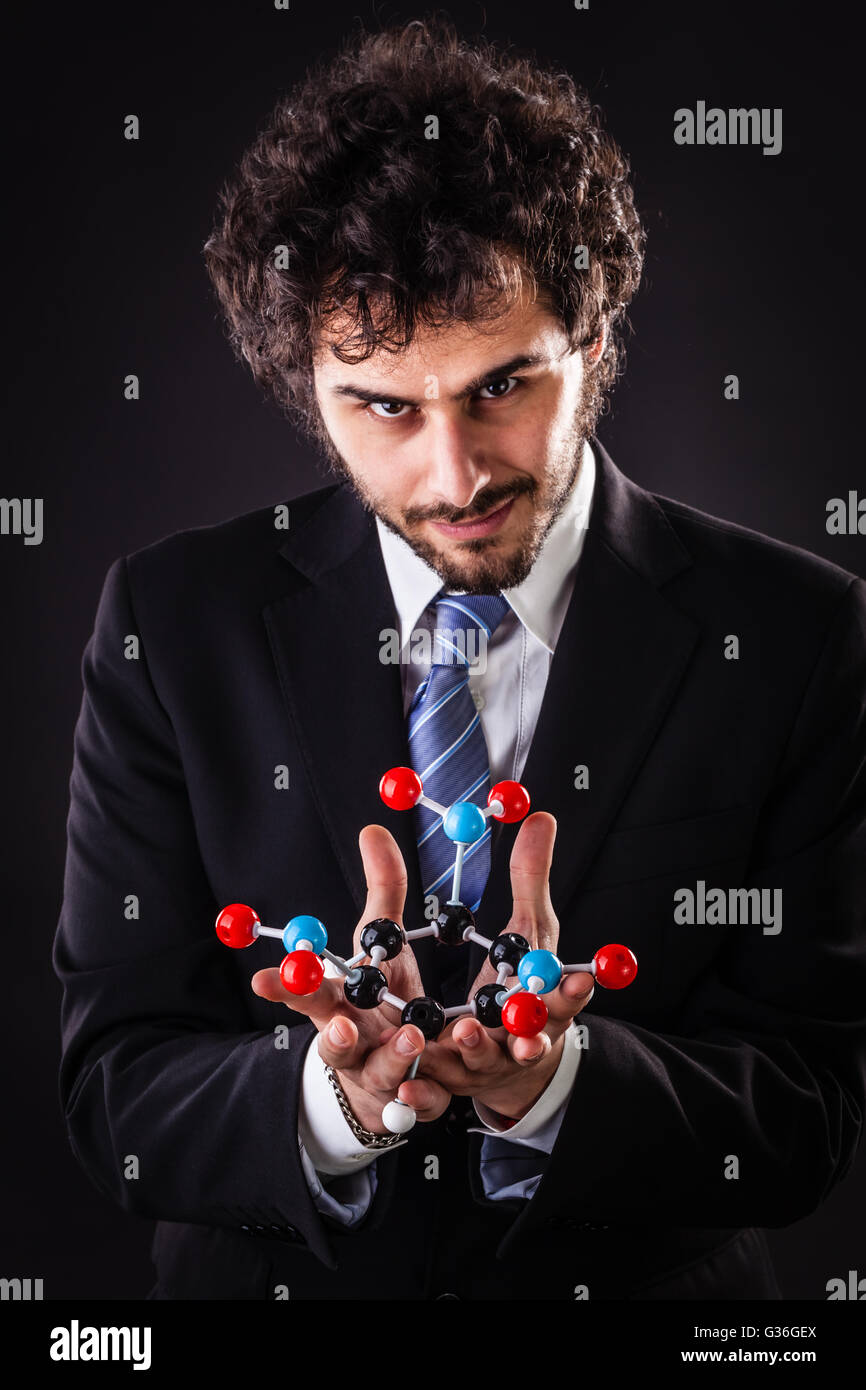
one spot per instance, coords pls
(514, 364)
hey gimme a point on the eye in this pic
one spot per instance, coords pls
(392, 408)
(503, 381)
(395, 404)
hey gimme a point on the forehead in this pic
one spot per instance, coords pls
(453, 349)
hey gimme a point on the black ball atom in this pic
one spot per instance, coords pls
(363, 992)
(487, 1011)
(452, 923)
(383, 932)
(426, 1014)
(508, 949)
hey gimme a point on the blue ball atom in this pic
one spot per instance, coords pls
(542, 964)
(304, 928)
(464, 822)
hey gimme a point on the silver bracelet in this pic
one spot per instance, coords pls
(367, 1137)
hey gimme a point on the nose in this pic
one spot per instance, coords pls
(456, 471)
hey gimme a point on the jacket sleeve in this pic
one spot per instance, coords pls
(750, 1110)
(176, 1108)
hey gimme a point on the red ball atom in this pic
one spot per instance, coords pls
(235, 925)
(400, 788)
(302, 972)
(524, 1014)
(514, 798)
(615, 966)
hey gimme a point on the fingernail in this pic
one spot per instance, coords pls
(406, 1045)
(335, 1034)
(471, 1039)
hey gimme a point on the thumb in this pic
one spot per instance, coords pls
(385, 874)
(531, 858)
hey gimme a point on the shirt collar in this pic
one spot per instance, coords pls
(540, 602)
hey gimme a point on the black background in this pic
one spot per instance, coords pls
(752, 268)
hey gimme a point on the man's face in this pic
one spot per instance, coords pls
(467, 443)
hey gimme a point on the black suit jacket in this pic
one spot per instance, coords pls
(734, 1050)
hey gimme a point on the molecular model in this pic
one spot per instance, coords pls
(519, 1009)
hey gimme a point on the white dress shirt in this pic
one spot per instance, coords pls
(508, 691)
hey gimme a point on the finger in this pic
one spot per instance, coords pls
(572, 994)
(528, 1052)
(531, 858)
(317, 1007)
(385, 1067)
(340, 1044)
(427, 1098)
(476, 1047)
(386, 877)
(445, 1063)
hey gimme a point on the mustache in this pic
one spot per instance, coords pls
(482, 508)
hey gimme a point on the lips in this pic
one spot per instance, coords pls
(478, 526)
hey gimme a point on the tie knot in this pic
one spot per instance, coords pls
(464, 625)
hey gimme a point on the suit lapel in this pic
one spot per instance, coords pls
(345, 704)
(619, 659)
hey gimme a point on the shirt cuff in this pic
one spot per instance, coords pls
(322, 1129)
(539, 1127)
(350, 1196)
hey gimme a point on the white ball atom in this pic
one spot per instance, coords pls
(398, 1117)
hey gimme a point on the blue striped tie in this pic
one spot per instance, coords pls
(446, 743)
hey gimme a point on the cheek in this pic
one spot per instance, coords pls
(343, 429)
(380, 475)
(357, 446)
(555, 431)
(528, 440)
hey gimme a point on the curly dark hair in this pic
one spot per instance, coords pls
(344, 204)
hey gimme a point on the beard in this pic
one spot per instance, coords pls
(484, 564)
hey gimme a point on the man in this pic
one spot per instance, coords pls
(682, 698)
